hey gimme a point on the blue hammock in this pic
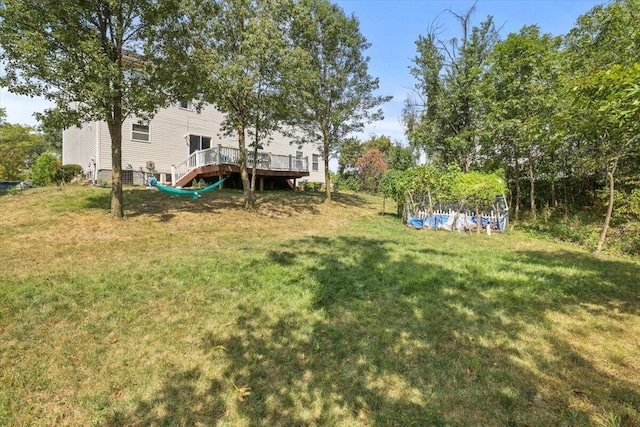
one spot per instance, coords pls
(195, 194)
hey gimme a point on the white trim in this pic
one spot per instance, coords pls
(201, 136)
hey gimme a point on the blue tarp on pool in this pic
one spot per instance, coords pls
(435, 221)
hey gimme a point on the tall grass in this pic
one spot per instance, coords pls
(302, 313)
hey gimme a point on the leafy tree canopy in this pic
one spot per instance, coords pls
(448, 120)
(19, 147)
(100, 60)
(335, 94)
(248, 63)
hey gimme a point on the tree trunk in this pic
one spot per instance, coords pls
(115, 131)
(509, 189)
(607, 219)
(255, 157)
(254, 168)
(325, 152)
(478, 219)
(554, 200)
(566, 197)
(248, 203)
(532, 188)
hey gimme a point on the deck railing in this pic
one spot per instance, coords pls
(220, 155)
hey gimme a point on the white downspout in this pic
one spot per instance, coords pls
(97, 157)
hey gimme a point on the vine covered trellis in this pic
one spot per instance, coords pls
(446, 197)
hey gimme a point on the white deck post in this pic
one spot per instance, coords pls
(199, 158)
(173, 175)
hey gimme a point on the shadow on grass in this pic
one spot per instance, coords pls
(178, 402)
(143, 201)
(609, 284)
(399, 334)
(412, 341)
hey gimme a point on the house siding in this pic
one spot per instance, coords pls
(79, 146)
(169, 142)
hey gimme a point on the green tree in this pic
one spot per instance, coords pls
(335, 93)
(602, 81)
(51, 128)
(381, 143)
(605, 36)
(520, 87)
(43, 171)
(448, 74)
(422, 117)
(247, 60)
(399, 157)
(350, 151)
(606, 111)
(19, 147)
(99, 60)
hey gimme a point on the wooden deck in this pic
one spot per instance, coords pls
(221, 161)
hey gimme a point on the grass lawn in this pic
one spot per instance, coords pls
(197, 313)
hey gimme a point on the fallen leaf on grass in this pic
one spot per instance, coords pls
(242, 392)
(220, 347)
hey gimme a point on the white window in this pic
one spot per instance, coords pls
(186, 105)
(140, 132)
(316, 162)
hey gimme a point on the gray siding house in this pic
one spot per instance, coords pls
(180, 144)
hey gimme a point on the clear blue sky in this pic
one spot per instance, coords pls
(392, 27)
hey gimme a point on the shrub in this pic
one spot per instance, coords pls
(198, 184)
(14, 191)
(347, 181)
(66, 173)
(43, 170)
(312, 186)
